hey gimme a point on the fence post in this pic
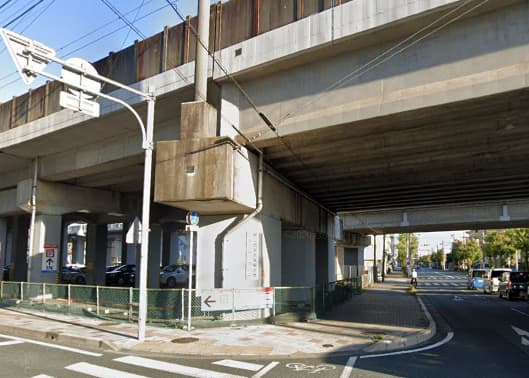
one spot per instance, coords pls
(274, 302)
(313, 304)
(21, 291)
(182, 301)
(97, 300)
(43, 292)
(69, 296)
(1, 290)
(131, 295)
(233, 305)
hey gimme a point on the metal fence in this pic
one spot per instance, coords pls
(170, 306)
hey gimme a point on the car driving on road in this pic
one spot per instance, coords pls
(476, 278)
(491, 282)
(513, 285)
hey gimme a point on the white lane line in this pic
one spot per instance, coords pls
(448, 337)
(348, 369)
(100, 371)
(521, 312)
(267, 368)
(12, 342)
(238, 365)
(173, 368)
(73, 350)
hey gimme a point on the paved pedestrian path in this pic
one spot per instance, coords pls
(383, 318)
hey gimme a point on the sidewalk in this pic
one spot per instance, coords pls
(383, 318)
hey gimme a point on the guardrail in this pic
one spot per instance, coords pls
(169, 306)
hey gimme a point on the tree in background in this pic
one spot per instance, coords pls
(499, 247)
(402, 249)
(519, 238)
(465, 254)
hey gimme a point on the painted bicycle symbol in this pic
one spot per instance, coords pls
(310, 369)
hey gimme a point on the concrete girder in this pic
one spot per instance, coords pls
(58, 199)
(456, 217)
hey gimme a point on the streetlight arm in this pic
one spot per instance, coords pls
(86, 73)
(145, 143)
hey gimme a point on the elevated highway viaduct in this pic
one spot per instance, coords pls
(393, 115)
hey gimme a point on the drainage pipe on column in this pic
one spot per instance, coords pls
(33, 215)
(258, 208)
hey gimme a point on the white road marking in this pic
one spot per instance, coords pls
(42, 376)
(73, 350)
(173, 368)
(238, 365)
(348, 369)
(448, 337)
(521, 312)
(267, 368)
(12, 342)
(100, 371)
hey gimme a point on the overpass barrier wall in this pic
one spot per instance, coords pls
(168, 307)
(231, 22)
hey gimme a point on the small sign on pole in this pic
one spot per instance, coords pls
(75, 99)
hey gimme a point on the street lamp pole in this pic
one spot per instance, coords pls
(30, 58)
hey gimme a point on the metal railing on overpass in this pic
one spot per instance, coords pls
(168, 307)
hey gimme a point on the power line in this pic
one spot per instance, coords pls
(5, 3)
(23, 13)
(133, 21)
(124, 19)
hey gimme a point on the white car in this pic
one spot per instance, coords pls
(173, 275)
(491, 282)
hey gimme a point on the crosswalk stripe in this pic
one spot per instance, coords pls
(238, 365)
(173, 368)
(13, 342)
(100, 371)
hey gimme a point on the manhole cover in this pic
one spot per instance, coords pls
(184, 340)
(327, 345)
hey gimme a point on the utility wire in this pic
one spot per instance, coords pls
(5, 3)
(23, 13)
(124, 19)
(133, 21)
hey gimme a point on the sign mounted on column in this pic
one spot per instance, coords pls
(49, 258)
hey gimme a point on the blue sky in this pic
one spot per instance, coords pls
(64, 24)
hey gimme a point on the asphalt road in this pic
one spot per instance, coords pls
(478, 336)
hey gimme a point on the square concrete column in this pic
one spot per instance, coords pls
(3, 244)
(96, 253)
(153, 264)
(19, 247)
(166, 247)
(47, 239)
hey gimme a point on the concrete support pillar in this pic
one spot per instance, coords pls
(96, 253)
(3, 244)
(66, 258)
(153, 264)
(124, 243)
(44, 264)
(298, 258)
(322, 260)
(166, 247)
(19, 232)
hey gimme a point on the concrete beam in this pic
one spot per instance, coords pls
(57, 199)
(455, 217)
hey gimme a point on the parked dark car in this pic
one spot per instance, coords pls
(74, 275)
(513, 285)
(124, 275)
(5, 273)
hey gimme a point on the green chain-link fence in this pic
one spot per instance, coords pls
(170, 306)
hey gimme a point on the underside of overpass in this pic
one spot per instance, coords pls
(471, 151)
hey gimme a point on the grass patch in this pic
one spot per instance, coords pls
(377, 338)
(412, 290)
